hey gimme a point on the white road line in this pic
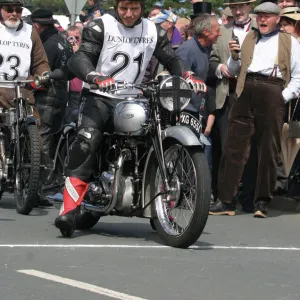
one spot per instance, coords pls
(80, 285)
(83, 246)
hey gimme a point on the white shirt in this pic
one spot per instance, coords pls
(264, 58)
(241, 34)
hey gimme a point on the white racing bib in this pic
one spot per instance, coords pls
(15, 53)
(126, 52)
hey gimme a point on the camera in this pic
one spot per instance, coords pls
(236, 39)
(72, 40)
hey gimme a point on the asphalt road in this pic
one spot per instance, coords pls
(236, 258)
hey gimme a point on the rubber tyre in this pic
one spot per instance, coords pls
(201, 211)
(152, 224)
(25, 203)
(86, 220)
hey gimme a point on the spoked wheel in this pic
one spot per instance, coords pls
(182, 214)
(27, 168)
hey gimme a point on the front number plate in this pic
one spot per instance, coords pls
(191, 121)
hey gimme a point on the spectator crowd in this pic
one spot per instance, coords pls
(248, 61)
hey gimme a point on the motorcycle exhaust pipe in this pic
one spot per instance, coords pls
(57, 200)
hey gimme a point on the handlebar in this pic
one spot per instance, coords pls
(122, 85)
(38, 80)
(119, 85)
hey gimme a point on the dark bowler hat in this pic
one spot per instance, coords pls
(42, 16)
(232, 2)
(201, 8)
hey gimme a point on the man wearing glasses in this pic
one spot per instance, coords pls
(21, 50)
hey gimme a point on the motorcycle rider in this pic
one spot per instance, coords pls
(116, 46)
(21, 52)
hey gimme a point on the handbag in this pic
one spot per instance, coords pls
(294, 126)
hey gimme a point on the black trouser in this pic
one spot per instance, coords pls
(94, 115)
(259, 112)
(51, 110)
(72, 107)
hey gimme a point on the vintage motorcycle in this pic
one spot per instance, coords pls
(20, 146)
(151, 165)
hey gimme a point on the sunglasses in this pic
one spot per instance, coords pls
(10, 10)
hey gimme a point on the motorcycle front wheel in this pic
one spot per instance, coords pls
(27, 168)
(181, 214)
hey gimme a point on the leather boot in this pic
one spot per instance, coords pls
(74, 192)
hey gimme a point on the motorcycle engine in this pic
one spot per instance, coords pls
(125, 196)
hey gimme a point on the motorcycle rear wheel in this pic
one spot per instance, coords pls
(27, 175)
(190, 180)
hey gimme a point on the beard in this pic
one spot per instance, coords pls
(11, 24)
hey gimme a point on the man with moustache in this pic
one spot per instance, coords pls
(225, 89)
(269, 77)
(21, 53)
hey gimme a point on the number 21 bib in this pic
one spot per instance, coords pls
(126, 52)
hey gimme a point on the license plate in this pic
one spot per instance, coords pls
(191, 121)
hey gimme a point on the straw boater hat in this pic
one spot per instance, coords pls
(291, 13)
(232, 2)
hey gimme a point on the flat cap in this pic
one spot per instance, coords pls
(267, 8)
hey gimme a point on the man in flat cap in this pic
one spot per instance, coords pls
(51, 103)
(269, 77)
(225, 88)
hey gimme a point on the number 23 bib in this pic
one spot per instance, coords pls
(15, 53)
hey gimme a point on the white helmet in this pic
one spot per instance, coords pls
(26, 12)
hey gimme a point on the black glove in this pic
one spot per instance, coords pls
(105, 83)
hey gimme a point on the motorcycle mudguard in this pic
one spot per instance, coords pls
(185, 136)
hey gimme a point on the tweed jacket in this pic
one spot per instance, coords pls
(219, 55)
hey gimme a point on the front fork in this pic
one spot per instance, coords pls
(158, 148)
